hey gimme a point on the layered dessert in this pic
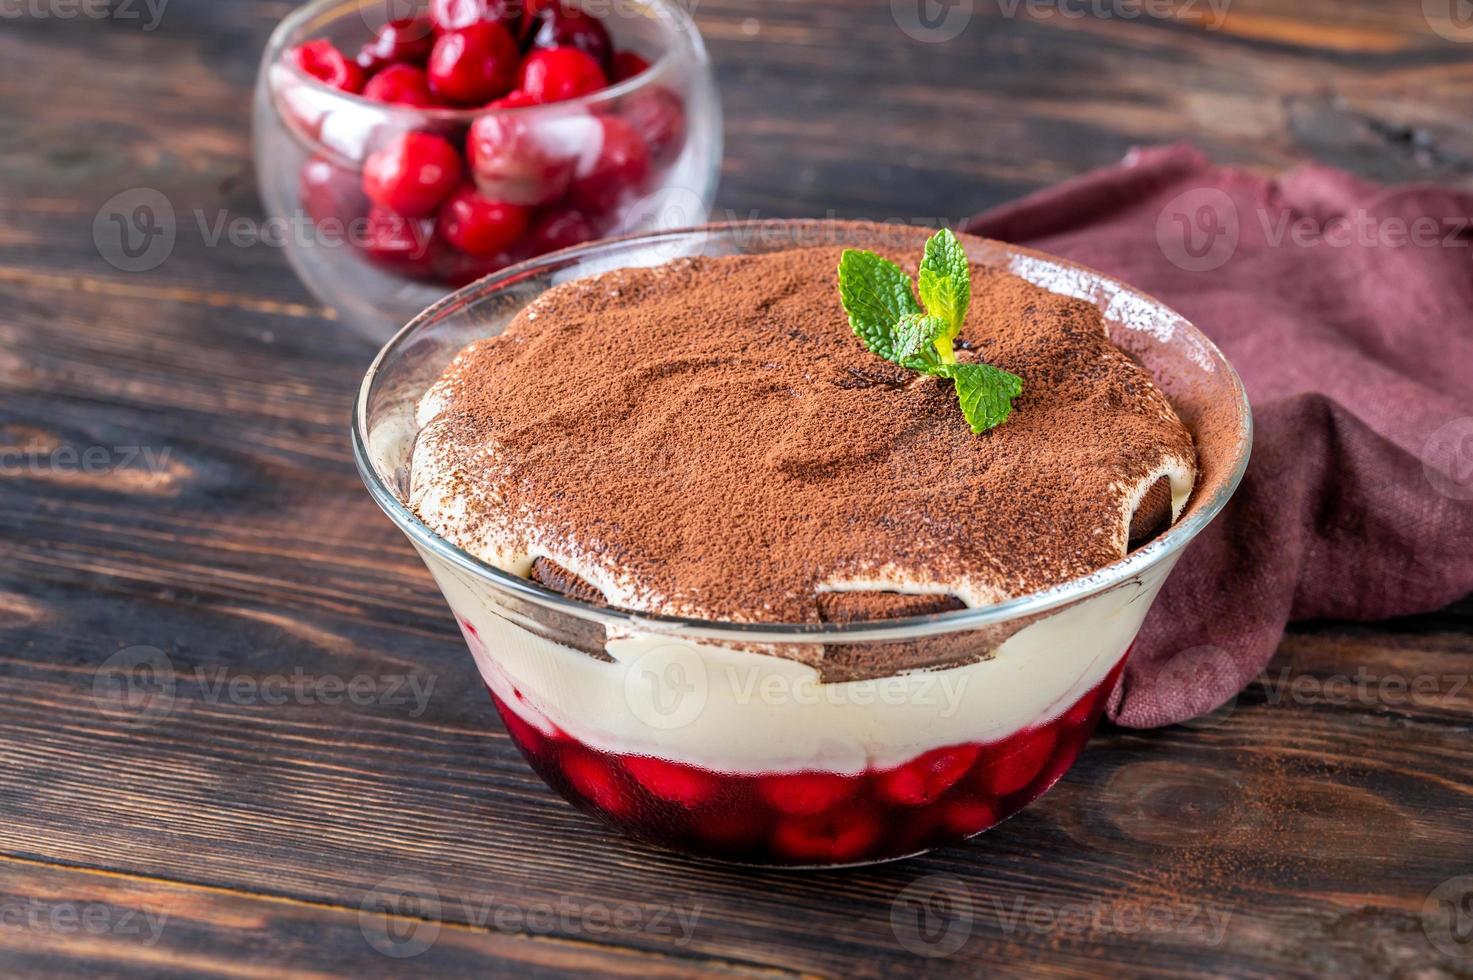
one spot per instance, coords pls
(716, 439)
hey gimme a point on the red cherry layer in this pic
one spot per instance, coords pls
(814, 818)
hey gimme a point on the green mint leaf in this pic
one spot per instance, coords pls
(876, 293)
(986, 393)
(882, 308)
(915, 339)
(946, 285)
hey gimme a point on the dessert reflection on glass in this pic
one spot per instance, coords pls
(770, 550)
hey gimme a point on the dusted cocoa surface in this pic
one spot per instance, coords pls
(708, 438)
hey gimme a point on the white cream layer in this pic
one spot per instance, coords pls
(737, 711)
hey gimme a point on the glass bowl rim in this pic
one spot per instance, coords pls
(670, 11)
(1100, 580)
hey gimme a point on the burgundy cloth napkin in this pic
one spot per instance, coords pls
(1348, 310)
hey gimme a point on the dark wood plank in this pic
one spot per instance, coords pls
(109, 925)
(1300, 832)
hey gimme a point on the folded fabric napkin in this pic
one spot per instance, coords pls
(1348, 310)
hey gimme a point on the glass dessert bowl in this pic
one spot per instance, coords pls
(408, 157)
(798, 744)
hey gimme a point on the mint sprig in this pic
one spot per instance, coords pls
(882, 308)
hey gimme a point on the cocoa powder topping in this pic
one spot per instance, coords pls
(708, 438)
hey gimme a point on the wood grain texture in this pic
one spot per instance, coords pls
(220, 524)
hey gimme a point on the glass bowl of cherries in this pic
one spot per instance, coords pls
(409, 148)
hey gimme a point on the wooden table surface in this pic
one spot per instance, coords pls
(175, 481)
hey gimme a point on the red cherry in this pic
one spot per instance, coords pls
(400, 244)
(835, 838)
(806, 793)
(927, 776)
(473, 65)
(685, 785)
(559, 228)
(413, 174)
(1026, 754)
(527, 158)
(625, 65)
(401, 85)
(399, 42)
(619, 169)
(479, 226)
(557, 74)
(967, 817)
(452, 15)
(331, 192)
(557, 25)
(658, 115)
(326, 64)
(597, 781)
